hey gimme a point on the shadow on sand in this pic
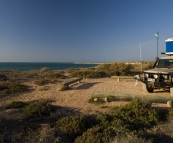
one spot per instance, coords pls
(87, 85)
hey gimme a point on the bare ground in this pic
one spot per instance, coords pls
(77, 96)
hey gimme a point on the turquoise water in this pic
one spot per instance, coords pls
(36, 66)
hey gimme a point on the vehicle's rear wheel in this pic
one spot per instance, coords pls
(147, 88)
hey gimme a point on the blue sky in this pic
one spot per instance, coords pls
(83, 30)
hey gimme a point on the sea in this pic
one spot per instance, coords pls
(26, 66)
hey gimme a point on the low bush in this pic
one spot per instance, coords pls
(41, 82)
(3, 77)
(37, 109)
(102, 70)
(3, 86)
(130, 139)
(134, 117)
(12, 88)
(104, 120)
(63, 88)
(17, 88)
(96, 135)
(56, 75)
(16, 104)
(88, 73)
(73, 125)
(118, 69)
(44, 69)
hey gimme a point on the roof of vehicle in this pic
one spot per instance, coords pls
(169, 40)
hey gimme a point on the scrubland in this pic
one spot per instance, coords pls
(33, 109)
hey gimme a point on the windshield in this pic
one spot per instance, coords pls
(165, 63)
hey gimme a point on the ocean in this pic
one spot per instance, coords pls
(26, 66)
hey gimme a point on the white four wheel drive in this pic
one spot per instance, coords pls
(161, 75)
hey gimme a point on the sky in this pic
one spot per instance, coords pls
(83, 30)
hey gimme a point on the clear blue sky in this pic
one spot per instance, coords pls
(83, 30)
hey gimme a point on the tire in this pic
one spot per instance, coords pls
(147, 89)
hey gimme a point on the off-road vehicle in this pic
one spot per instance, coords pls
(161, 76)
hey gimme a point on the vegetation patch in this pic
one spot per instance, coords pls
(41, 82)
(74, 125)
(3, 77)
(97, 134)
(16, 104)
(63, 88)
(37, 109)
(12, 88)
(132, 122)
(134, 117)
(97, 100)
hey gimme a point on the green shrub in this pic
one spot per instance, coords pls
(37, 109)
(16, 104)
(131, 139)
(170, 114)
(71, 70)
(102, 70)
(134, 116)
(74, 125)
(164, 114)
(12, 88)
(56, 75)
(104, 120)
(16, 88)
(96, 135)
(41, 82)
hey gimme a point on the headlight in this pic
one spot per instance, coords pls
(155, 76)
(146, 75)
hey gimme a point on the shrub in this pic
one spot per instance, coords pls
(63, 88)
(3, 86)
(41, 82)
(134, 116)
(74, 125)
(16, 104)
(70, 70)
(130, 139)
(37, 109)
(115, 69)
(44, 69)
(16, 88)
(95, 135)
(104, 120)
(3, 77)
(102, 70)
(56, 75)
(12, 88)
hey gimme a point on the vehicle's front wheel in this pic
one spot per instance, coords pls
(147, 88)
